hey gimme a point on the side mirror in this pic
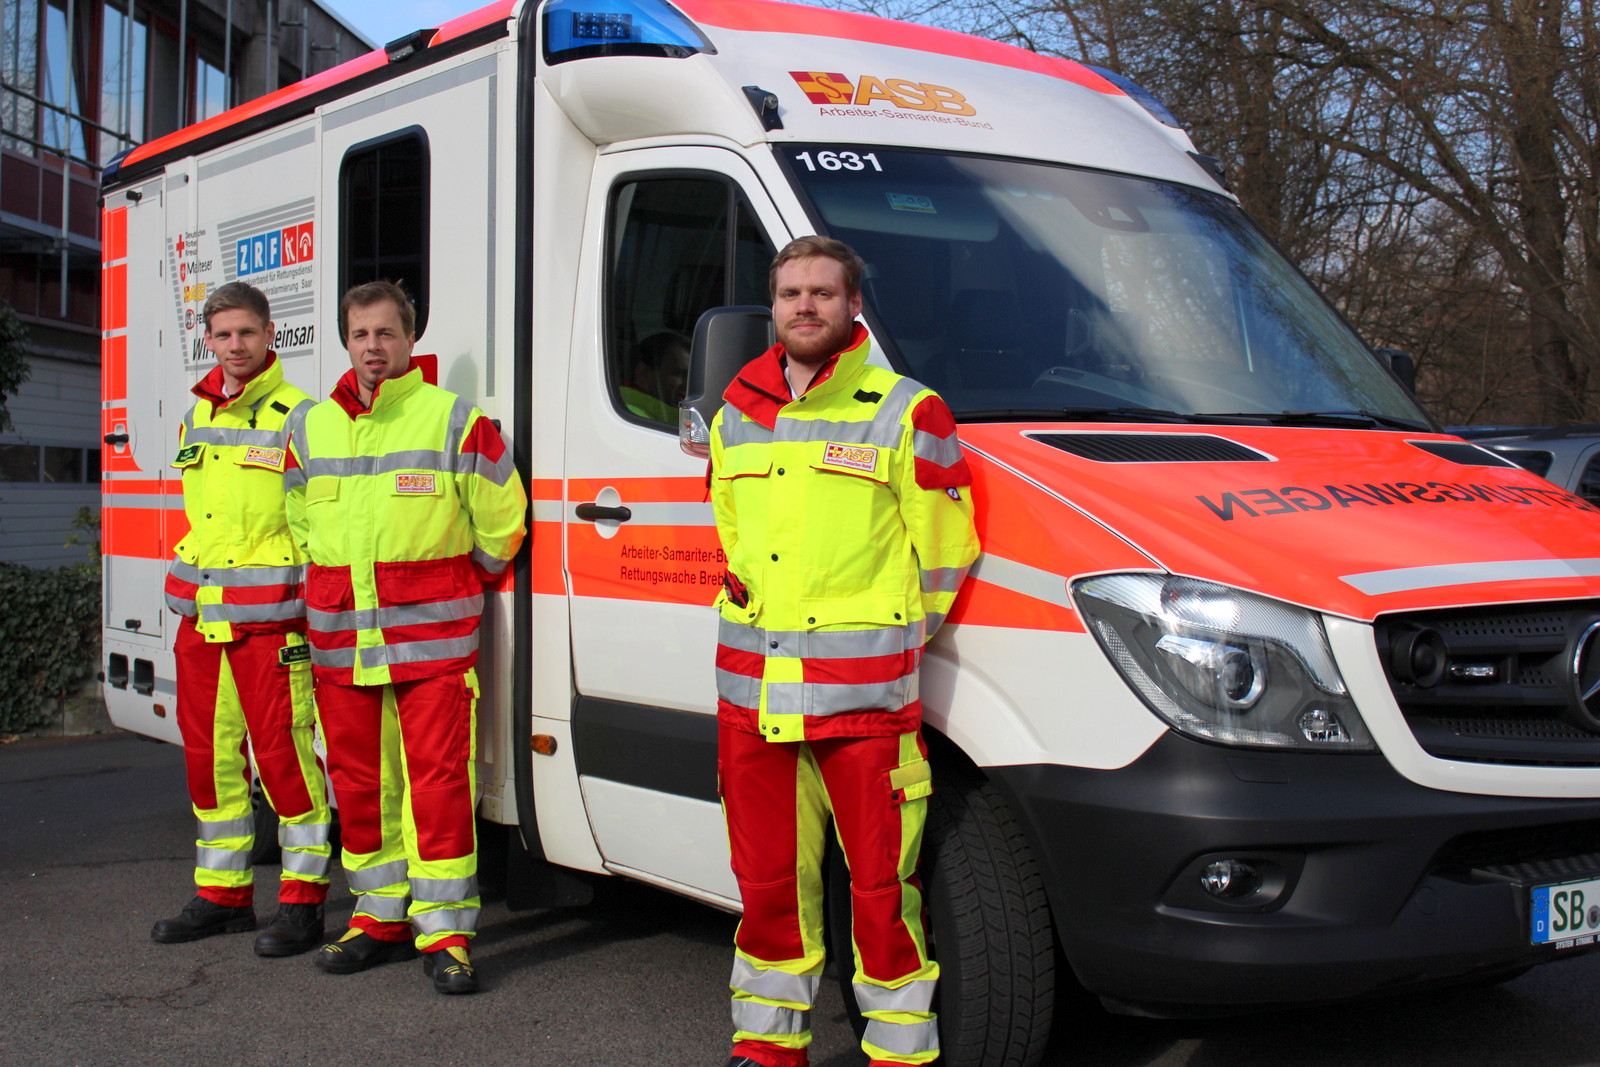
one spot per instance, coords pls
(725, 339)
(1402, 365)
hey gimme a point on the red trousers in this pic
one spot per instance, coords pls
(777, 797)
(234, 698)
(400, 760)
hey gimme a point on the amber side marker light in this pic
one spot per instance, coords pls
(543, 744)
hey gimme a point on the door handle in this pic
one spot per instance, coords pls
(116, 438)
(595, 512)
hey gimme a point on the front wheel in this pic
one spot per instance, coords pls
(989, 927)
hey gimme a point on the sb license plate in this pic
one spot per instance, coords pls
(1568, 913)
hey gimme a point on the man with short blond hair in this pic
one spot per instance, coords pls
(243, 664)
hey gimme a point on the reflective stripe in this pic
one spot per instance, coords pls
(184, 571)
(812, 698)
(222, 859)
(385, 909)
(902, 1039)
(222, 435)
(444, 890)
(181, 605)
(467, 607)
(446, 921)
(391, 655)
(244, 826)
(1022, 578)
(770, 984)
(302, 835)
(294, 478)
(417, 459)
(282, 611)
(380, 877)
(491, 564)
(242, 577)
(310, 864)
(738, 430)
(754, 1017)
(845, 644)
(1436, 576)
(944, 451)
(738, 636)
(885, 430)
(943, 579)
(740, 690)
(933, 621)
(913, 996)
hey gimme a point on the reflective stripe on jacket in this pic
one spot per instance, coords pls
(238, 569)
(403, 511)
(846, 516)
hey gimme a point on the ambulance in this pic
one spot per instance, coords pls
(1263, 692)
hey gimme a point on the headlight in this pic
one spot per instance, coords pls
(1222, 664)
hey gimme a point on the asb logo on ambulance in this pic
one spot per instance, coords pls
(823, 87)
(276, 248)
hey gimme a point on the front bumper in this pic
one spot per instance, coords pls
(1380, 884)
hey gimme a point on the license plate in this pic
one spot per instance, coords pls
(1566, 912)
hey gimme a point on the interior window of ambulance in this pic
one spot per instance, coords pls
(679, 245)
(383, 215)
(1020, 288)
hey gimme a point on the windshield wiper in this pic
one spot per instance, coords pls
(1095, 414)
(1355, 420)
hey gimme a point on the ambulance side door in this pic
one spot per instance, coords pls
(673, 232)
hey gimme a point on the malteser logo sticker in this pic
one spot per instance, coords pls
(851, 457)
(413, 483)
(868, 95)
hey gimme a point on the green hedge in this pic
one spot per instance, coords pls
(49, 633)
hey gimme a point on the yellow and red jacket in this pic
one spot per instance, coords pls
(403, 510)
(846, 516)
(238, 570)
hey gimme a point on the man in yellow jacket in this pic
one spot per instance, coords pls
(845, 508)
(243, 664)
(405, 500)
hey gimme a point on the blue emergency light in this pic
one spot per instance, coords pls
(584, 29)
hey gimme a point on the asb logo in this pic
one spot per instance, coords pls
(824, 87)
(276, 248)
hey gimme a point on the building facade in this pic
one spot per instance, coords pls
(80, 82)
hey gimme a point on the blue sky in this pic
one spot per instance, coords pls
(384, 20)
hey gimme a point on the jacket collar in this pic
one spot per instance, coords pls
(347, 393)
(265, 380)
(760, 389)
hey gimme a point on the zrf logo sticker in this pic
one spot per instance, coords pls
(835, 90)
(413, 483)
(851, 457)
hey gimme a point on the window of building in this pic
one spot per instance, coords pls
(49, 464)
(383, 216)
(19, 70)
(123, 47)
(680, 245)
(210, 90)
(63, 71)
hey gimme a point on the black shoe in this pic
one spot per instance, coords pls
(451, 971)
(202, 918)
(358, 950)
(295, 929)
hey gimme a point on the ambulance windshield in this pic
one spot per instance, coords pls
(1023, 289)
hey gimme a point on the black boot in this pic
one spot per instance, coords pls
(202, 918)
(357, 950)
(451, 970)
(295, 929)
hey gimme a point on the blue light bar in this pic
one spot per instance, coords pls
(583, 29)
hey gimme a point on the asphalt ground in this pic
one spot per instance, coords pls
(95, 844)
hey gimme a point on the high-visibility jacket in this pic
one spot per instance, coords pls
(403, 510)
(238, 569)
(846, 515)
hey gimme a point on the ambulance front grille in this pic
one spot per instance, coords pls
(1550, 853)
(1506, 693)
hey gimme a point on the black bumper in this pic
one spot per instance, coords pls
(1377, 884)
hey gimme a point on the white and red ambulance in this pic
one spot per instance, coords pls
(1263, 691)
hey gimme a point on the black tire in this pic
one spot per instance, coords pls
(990, 927)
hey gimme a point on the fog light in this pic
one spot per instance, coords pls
(1323, 727)
(1230, 879)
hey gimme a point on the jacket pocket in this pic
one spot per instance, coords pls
(911, 781)
(328, 589)
(423, 581)
(818, 612)
(745, 461)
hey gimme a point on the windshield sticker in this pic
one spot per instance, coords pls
(911, 202)
(1293, 498)
(873, 97)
